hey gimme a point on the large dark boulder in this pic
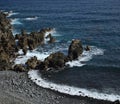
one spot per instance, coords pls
(32, 63)
(75, 49)
(55, 61)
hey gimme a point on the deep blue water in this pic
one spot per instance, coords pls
(95, 22)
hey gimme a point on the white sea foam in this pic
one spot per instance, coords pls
(31, 18)
(47, 33)
(14, 31)
(10, 13)
(86, 56)
(16, 21)
(35, 76)
(22, 59)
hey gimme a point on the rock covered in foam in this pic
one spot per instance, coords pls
(75, 49)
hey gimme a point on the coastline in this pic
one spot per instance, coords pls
(17, 88)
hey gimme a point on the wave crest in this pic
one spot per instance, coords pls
(16, 21)
(31, 18)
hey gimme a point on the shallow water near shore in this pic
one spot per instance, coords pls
(96, 23)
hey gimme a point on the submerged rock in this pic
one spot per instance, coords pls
(75, 49)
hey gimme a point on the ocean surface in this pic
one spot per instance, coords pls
(95, 22)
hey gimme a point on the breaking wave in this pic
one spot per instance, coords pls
(10, 13)
(23, 58)
(86, 56)
(31, 18)
(16, 21)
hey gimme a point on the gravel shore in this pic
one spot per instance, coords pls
(16, 88)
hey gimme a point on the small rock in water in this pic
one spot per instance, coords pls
(87, 48)
(116, 102)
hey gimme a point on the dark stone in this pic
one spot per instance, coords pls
(55, 61)
(75, 49)
(32, 63)
(116, 102)
(24, 50)
(87, 48)
(19, 68)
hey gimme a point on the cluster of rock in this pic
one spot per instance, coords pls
(56, 61)
(30, 41)
(7, 42)
(10, 45)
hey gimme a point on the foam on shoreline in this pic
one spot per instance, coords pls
(35, 76)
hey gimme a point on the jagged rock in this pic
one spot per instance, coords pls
(25, 50)
(7, 42)
(32, 63)
(116, 102)
(55, 61)
(23, 32)
(4, 65)
(19, 68)
(17, 36)
(33, 39)
(87, 48)
(52, 39)
(4, 56)
(75, 49)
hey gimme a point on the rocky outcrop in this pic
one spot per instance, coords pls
(32, 63)
(51, 39)
(55, 61)
(19, 68)
(9, 46)
(75, 49)
(7, 42)
(116, 102)
(34, 39)
(87, 48)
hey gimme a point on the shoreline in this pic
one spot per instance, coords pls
(18, 88)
